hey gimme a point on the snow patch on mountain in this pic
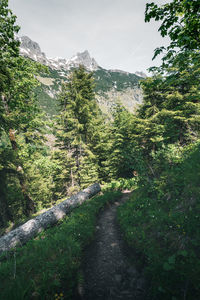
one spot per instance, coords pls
(31, 49)
(141, 74)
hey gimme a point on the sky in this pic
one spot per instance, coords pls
(113, 31)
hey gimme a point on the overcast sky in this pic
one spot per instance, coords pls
(113, 31)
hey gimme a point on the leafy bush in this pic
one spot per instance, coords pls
(161, 222)
(121, 184)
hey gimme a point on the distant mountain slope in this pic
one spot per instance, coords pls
(112, 86)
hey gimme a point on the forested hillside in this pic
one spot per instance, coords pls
(156, 150)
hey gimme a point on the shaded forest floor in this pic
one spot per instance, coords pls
(108, 271)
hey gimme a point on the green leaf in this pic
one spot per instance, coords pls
(167, 267)
(171, 259)
(183, 253)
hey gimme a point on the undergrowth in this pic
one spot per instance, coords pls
(161, 223)
(121, 184)
(47, 267)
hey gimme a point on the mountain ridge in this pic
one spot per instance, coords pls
(32, 50)
(26, 44)
(112, 86)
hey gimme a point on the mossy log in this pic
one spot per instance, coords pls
(30, 229)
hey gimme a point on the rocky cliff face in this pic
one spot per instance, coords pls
(32, 50)
(83, 59)
(129, 98)
(112, 86)
(141, 74)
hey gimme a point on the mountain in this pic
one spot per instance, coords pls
(31, 49)
(112, 86)
(141, 74)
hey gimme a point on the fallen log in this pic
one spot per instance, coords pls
(25, 232)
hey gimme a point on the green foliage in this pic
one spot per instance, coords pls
(161, 223)
(48, 104)
(77, 132)
(157, 149)
(50, 263)
(180, 21)
(122, 151)
(8, 44)
(121, 184)
(21, 125)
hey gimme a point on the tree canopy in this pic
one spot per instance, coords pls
(180, 21)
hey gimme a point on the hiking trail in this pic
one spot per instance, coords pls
(108, 274)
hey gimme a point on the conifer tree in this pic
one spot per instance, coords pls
(18, 126)
(101, 140)
(120, 155)
(75, 129)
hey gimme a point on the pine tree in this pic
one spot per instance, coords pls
(75, 129)
(19, 131)
(170, 114)
(121, 151)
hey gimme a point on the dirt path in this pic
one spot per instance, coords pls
(107, 273)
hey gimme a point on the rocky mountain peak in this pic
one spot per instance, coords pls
(141, 74)
(85, 59)
(84, 54)
(26, 42)
(31, 49)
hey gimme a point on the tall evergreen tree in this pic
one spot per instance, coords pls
(18, 125)
(120, 153)
(75, 129)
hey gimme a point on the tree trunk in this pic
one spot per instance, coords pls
(28, 206)
(29, 230)
(5, 214)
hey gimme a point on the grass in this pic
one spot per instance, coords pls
(161, 223)
(48, 266)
